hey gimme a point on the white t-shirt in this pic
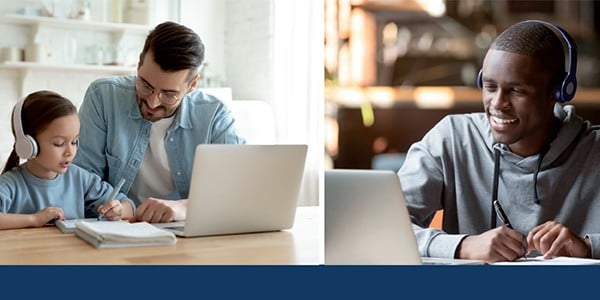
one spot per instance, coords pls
(154, 176)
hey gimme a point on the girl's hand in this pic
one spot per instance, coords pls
(112, 211)
(48, 215)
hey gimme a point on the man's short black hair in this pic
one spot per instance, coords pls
(535, 39)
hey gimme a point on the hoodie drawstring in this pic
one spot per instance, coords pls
(497, 177)
(495, 186)
(536, 199)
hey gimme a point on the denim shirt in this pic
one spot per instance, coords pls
(114, 135)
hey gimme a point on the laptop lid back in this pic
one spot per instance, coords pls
(366, 219)
(244, 188)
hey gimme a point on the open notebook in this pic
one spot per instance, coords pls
(68, 226)
(119, 234)
(555, 261)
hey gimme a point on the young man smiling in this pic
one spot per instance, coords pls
(145, 128)
(533, 155)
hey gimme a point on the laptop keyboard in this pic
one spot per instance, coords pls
(177, 228)
(436, 262)
(450, 261)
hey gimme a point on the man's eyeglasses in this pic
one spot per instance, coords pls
(145, 90)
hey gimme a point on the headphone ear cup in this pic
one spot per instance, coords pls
(566, 91)
(26, 147)
(558, 94)
(479, 79)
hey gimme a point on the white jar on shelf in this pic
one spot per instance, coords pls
(11, 54)
(138, 12)
(82, 10)
(94, 55)
(99, 10)
(37, 53)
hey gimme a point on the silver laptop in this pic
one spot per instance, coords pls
(242, 189)
(367, 222)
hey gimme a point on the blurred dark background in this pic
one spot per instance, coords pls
(395, 68)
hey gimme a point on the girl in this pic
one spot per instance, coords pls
(48, 187)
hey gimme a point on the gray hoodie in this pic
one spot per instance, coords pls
(452, 168)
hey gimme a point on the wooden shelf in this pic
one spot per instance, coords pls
(425, 96)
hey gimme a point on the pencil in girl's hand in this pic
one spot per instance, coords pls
(114, 193)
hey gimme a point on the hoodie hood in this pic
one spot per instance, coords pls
(561, 146)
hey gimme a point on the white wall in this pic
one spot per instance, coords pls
(238, 36)
(207, 18)
(249, 49)
(270, 50)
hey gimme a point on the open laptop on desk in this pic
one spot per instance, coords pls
(242, 189)
(367, 222)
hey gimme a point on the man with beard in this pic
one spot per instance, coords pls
(145, 128)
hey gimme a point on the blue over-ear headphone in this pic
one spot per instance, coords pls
(25, 145)
(565, 91)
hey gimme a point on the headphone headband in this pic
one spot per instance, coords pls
(569, 83)
(17, 123)
(25, 145)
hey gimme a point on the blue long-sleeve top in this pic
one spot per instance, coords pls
(115, 136)
(75, 191)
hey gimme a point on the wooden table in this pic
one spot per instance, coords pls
(48, 246)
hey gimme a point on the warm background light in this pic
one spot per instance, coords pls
(434, 97)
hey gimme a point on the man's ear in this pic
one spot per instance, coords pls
(194, 83)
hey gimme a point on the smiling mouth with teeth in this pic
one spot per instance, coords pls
(503, 121)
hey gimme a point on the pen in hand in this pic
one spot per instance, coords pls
(114, 193)
(501, 214)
